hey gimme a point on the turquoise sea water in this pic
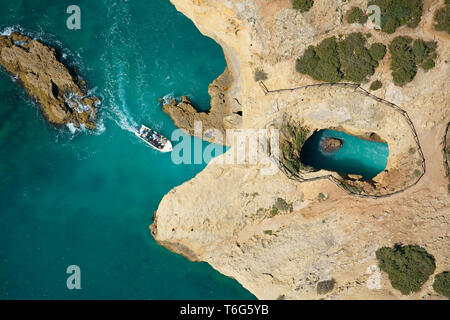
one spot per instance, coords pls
(87, 199)
(357, 156)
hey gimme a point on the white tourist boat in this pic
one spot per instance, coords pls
(154, 139)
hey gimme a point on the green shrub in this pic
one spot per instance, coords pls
(406, 57)
(422, 50)
(321, 63)
(442, 18)
(302, 5)
(403, 63)
(282, 205)
(428, 64)
(274, 211)
(326, 286)
(377, 51)
(300, 138)
(408, 267)
(356, 15)
(322, 197)
(328, 67)
(332, 60)
(260, 75)
(292, 138)
(441, 283)
(356, 61)
(396, 13)
(376, 85)
(307, 63)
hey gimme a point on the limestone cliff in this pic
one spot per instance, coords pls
(221, 116)
(48, 81)
(229, 215)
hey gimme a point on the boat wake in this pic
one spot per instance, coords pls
(118, 68)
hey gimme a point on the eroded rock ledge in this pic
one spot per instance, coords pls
(61, 97)
(221, 116)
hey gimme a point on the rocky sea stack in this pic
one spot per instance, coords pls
(331, 144)
(61, 97)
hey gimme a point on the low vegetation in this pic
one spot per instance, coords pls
(302, 5)
(422, 50)
(396, 13)
(377, 51)
(326, 286)
(428, 64)
(321, 62)
(322, 197)
(442, 18)
(442, 283)
(259, 75)
(347, 59)
(357, 64)
(376, 85)
(300, 137)
(356, 15)
(407, 56)
(292, 138)
(281, 205)
(408, 267)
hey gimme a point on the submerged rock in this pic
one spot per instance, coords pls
(331, 144)
(48, 81)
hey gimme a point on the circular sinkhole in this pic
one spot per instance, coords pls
(344, 153)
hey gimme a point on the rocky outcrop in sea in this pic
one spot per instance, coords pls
(62, 97)
(331, 144)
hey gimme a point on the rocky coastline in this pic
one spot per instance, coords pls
(225, 113)
(61, 96)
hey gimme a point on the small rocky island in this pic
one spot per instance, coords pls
(331, 144)
(61, 96)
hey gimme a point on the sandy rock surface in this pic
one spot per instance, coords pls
(48, 81)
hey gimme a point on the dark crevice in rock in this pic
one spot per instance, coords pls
(55, 89)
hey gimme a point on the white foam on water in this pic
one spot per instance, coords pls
(72, 128)
(100, 129)
(117, 68)
(168, 98)
(8, 30)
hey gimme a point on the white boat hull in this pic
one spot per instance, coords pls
(167, 144)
